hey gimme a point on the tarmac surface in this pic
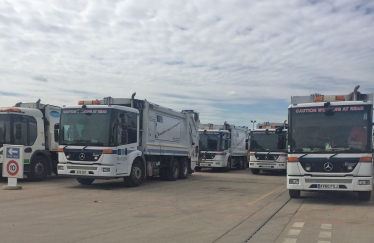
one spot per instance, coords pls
(236, 206)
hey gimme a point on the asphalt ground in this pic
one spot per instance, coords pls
(236, 206)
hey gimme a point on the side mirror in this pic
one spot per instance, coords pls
(279, 130)
(246, 146)
(56, 135)
(281, 142)
(56, 128)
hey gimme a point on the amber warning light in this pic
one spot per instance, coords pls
(89, 102)
(10, 109)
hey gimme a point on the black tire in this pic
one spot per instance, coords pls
(85, 181)
(294, 193)
(39, 169)
(255, 171)
(197, 168)
(364, 195)
(136, 176)
(172, 173)
(183, 169)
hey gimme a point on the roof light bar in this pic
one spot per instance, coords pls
(10, 109)
(89, 102)
(329, 98)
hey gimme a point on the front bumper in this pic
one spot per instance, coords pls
(89, 171)
(267, 165)
(308, 183)
(211, 164)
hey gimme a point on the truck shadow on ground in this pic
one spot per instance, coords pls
(118, 184)
(334, 198)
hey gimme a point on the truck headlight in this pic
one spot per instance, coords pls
(364, 182)
(293, 181)
(60, 167)
(106, 169)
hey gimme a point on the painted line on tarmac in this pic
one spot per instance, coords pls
(266, 195)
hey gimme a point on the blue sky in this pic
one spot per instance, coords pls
(233, 61)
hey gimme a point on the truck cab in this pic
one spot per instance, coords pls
(222, 146)
(28, 124)
(267, 150)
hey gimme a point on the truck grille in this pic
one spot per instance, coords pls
(326, 165)
(82, 156)
(266, 157)
(207, 155)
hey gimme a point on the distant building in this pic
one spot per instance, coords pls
(269, 125)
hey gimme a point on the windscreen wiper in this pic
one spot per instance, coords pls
(333, 155)
(302, 156)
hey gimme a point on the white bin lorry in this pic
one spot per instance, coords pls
(126, 138)
(267, 150)
(223, 147)
(330, 144)
(31, 125)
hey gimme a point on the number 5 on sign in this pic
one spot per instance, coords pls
(13, 161)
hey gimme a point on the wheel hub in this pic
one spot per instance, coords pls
(137, 172)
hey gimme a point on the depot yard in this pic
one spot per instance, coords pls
(207, 207)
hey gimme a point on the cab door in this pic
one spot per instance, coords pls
(127, 137)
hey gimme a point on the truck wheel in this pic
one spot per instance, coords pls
(85, 181)
(198, 169)
(364, 196)
(294, 193)
(136, 175)
(183, 169)
(255, 171)
(38, 169)
(172, 172)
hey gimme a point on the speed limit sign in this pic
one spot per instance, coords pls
(12, 168)
(13, 161)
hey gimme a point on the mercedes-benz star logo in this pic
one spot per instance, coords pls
(328, 166)
(82, 156)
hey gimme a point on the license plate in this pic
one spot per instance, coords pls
(265, 166)
(204, 164)
(81, 172)
(327, 186)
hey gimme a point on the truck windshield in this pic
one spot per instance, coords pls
(17, 129)
(262, 141)
(213, 141)
(5, 130)
(344, 129)
(85, 127)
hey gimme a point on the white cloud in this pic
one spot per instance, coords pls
(211, 54)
